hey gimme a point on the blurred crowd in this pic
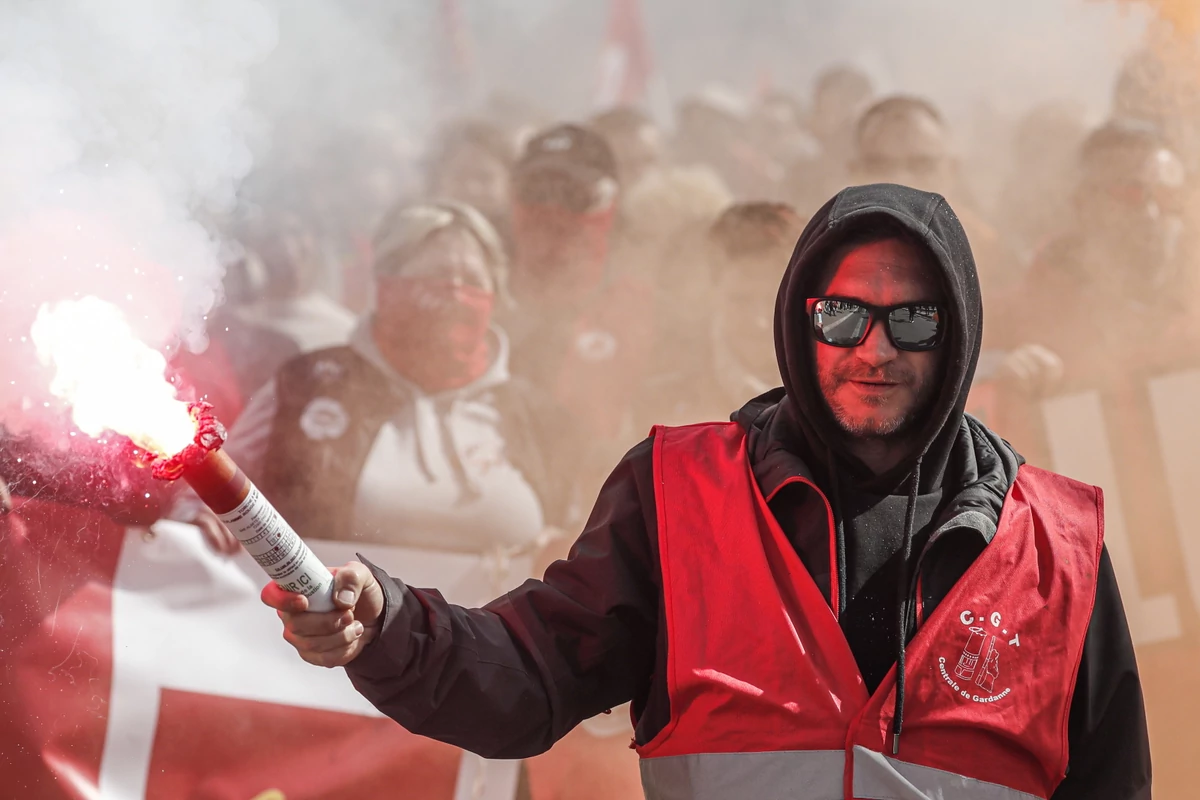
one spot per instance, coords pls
(457, 365)
(499, 334)
(457, 359)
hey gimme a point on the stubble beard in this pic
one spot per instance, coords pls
(890, 427)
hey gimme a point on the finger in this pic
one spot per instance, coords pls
(221, 540)
(329, 643)
(329, 660)
(281, 600)
(212, 536)
(348, 583)
(336, 658)
(231, 543)
(318, 624)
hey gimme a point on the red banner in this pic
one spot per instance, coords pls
(140, 665)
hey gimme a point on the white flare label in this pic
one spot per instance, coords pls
(279, 550)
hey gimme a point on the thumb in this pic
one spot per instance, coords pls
(348, 583)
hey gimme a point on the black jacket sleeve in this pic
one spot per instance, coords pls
(1109, 743)
(510, 679)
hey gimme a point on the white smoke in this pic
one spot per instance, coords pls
(129, 125)
(124, 127)
(1016, 54)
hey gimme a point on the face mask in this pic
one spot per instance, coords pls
(433, 331)
(559, 251)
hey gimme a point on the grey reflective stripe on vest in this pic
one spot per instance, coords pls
(877, 777)
(798, 775)
(808, 775)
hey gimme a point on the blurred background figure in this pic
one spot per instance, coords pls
(1160, 85)
(664, 242)
(750, 245)
(472, 164)
(290, 300)
(565, 196)
(635, 139)
(1037, 192)
(905, 139)
(581, 326)
(1118, 270)
(713, 128)
(840, 95)
(273, 310)
(415, 432)
(777, 130)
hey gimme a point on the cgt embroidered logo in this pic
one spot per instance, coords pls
(978, 669)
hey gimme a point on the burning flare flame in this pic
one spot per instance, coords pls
(111, 379)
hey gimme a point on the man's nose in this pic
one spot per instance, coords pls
(877, 349)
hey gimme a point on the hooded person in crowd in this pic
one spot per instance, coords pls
(852, 532)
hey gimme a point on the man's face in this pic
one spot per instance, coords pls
(875, 390)
(907, 147)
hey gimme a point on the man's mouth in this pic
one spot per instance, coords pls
(873, 386)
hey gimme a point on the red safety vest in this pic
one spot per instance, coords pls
(766, 698)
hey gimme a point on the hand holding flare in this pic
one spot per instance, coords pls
(114, 382)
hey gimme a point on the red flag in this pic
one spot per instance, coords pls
(139, 666)
(626, 66)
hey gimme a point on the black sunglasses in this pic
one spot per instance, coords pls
(841, 322)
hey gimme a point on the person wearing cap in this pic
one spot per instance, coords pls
(581, 326)
(850, 590)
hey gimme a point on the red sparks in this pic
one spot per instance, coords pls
(210, 434)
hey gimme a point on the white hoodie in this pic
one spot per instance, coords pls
(437, 476)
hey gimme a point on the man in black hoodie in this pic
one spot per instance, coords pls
(866, 466)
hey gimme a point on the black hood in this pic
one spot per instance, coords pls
(932, 222)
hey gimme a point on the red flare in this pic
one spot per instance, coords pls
(210, 435)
